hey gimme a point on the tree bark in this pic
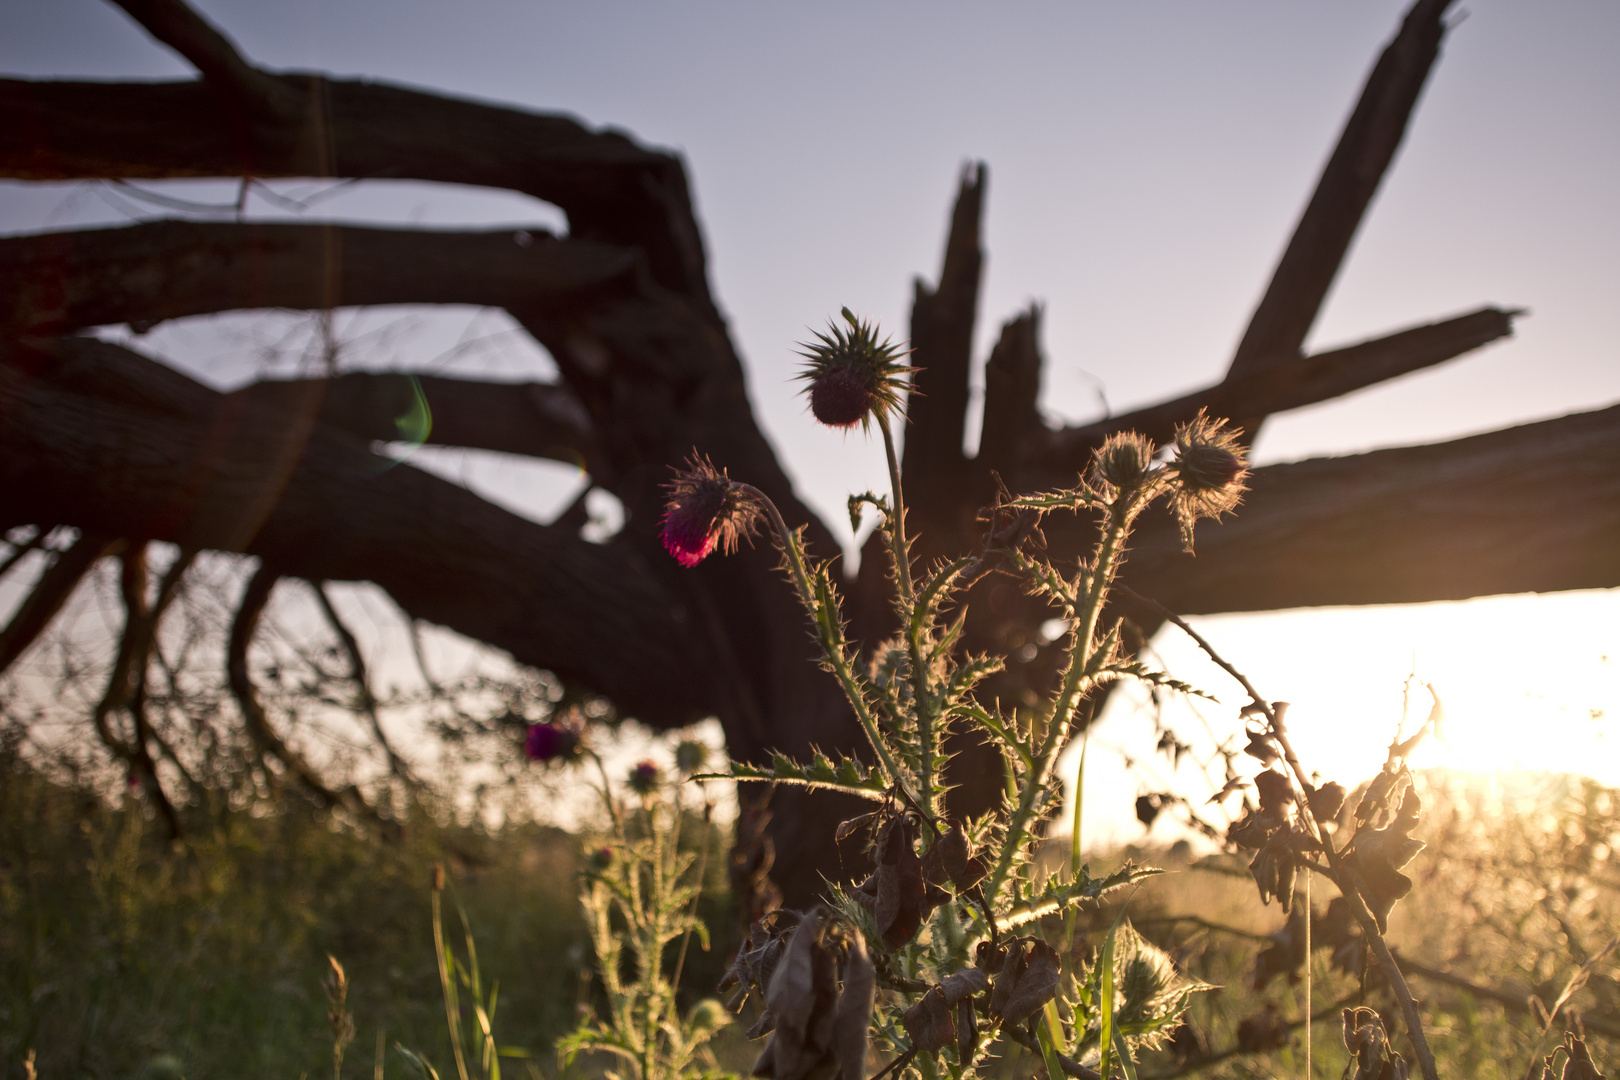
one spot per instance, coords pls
(1305, 381)
(318, 504)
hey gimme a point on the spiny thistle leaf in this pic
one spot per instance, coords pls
(1057, 895)
(1139, 671)
(846, 775)
(1044, 580)
(1065, 499)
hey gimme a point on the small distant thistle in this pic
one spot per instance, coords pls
(690, 756)
(552, 741)
(705, 510)
(853, 376)
(1209, 471)
(645, 778)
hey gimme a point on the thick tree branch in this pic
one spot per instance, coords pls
(539, 420)
(1320, 377)
(1012, 426)
(1366, 146)
(612, 189)
(942, 347)
(215, 57)
(1529, 509)
(143, 274)
(54, 586)
(318, 504)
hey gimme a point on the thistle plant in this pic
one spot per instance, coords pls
(949, 924)
(639, 894)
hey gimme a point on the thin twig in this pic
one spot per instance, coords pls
(1346, 876)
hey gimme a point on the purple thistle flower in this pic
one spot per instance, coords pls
(551, 742)
(840, 398)
(645, 778)
(852, 375)
(706, 510)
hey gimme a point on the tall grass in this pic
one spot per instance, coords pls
(124, 956)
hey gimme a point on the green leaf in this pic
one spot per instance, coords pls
(1050, 1042)
(1075, 866)
(1142, 673)
(1057, 895)
(1105, 968)
(1124, 1051)
(846, 775)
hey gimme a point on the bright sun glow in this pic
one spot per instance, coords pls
(1529, 683)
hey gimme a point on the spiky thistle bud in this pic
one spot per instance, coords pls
(705, 509)
(1124, 461)
(1208, 469)
(853, 376)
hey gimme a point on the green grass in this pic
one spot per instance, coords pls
(124, 956)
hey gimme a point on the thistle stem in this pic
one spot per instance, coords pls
(828, 632)
(1084, 662)
(897, 521)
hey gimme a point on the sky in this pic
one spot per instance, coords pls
(1147, 163)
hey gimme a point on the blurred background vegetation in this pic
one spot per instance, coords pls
(126, 954)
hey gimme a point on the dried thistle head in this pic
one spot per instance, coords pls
(705, 509)
(852, 375)
(1208, 472)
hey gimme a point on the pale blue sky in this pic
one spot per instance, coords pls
(1147, 163)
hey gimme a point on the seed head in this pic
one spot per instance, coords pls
(1209, 472)
(706, 509)
(853, 376)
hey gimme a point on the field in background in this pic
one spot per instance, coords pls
(123, 957)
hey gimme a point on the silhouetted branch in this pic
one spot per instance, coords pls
(364, 698)
(942, 348)
(1320, 377)
(246, 622)
(541, 420)
(215, 57)
(1013, 430)
(1528, 509)
(1365, 148)
(52, 590)
(144, 274)
(230, 476)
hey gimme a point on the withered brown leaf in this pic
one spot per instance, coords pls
(1274, 869)
(854, 1017)
(803, 997)
(1380, 853)
(1028, 980)
(929, 1023)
